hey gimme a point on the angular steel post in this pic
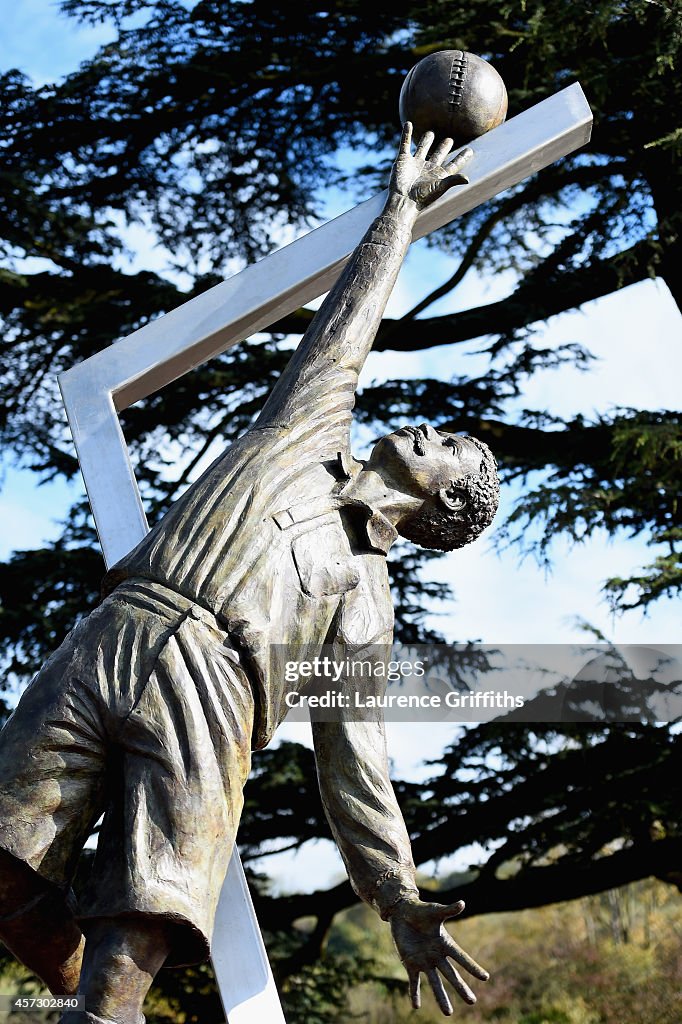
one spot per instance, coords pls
(96, 390)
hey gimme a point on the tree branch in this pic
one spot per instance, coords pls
(532, 447)
(535, 887)
(529, 304)
(550, 181)
(532, 887)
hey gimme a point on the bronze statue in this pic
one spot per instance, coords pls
(150, 708)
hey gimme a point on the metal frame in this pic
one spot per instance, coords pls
(96, 390)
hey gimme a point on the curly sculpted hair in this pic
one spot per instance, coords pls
(434, 526)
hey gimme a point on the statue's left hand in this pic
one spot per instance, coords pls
(421, 177)
(424, 945)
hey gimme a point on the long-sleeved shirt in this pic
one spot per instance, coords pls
(270, 541)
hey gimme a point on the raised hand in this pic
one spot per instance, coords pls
(424, 946)
(421, 177)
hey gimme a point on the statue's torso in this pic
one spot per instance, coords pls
(267, 541)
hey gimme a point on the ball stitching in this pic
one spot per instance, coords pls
(458, 70)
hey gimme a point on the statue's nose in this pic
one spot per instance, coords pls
(428, 431)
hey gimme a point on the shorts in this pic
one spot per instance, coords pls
(143, 714)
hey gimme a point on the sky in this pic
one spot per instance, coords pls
(636, 336)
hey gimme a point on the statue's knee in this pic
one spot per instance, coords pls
(19, 886)
(142, 941)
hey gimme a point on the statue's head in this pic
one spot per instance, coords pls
(455, 476)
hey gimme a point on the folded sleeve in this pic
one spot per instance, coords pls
(322, 373)
(362, 810)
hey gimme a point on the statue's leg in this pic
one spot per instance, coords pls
(122, 956)
(175, 783)
(38, 927)
(52, 754)
(143, 713)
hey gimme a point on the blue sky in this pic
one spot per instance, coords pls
(636, 336)
(44, 43)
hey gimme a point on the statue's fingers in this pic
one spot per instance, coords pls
(424, 146)
(457, 981)
(460, 159)
(439, 992)
(456, 179)
(448, 910)
(463, 959)
(415, 995)
(438, 188)
(406, 138)
(441, 151)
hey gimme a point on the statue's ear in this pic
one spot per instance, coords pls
(453, 498)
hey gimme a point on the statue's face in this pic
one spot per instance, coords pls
(422, 460)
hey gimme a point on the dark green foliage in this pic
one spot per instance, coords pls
(189, 995)
(42, 594)
(553, 797)
(282, 802)
(630, 482)
(318, 992)
(219, 125)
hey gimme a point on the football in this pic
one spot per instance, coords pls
(453, 93)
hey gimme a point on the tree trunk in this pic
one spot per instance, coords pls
(666, 190)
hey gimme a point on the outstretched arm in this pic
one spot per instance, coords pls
(337, 343)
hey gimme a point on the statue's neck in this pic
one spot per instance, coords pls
(374, 490)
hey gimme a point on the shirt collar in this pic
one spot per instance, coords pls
(348, 468)
(379, 531)
(376, 528)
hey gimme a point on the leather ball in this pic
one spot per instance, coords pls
(453, 93)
